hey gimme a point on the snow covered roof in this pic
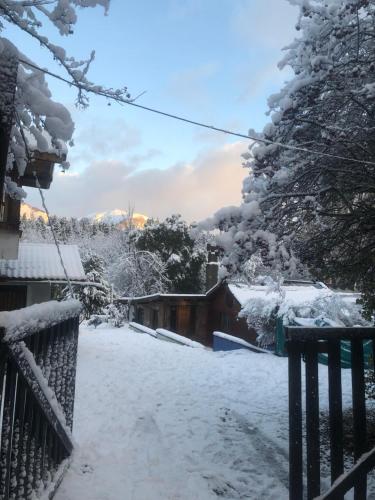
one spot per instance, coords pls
(156, 296)
(295, 294)
(38, 261)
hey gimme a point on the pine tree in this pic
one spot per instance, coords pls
(96, 297)
(171, 241)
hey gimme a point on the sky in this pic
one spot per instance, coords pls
(213, 61)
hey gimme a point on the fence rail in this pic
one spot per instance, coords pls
(306, 344)
(37, 385)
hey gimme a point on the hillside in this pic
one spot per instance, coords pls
(119, 218)
(31, 212)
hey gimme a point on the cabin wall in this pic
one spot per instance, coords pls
(223, 310)
(38, 293)
(185, 317)
(15, 295)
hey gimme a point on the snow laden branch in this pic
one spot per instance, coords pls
(30, 16)
(42, 124)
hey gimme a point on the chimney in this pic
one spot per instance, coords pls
(212, 267)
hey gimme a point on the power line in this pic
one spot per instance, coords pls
(131, 102)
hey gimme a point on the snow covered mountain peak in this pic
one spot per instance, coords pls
(118, 217)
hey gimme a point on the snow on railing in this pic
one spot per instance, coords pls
(37, 388)
(37, 317)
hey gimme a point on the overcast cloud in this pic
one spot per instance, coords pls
(195, 190)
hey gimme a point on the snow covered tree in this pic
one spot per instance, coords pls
(43, 123)
(171, 242)
(96, 297)
(316, 208)
(138, 272)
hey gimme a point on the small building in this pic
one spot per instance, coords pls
(28, 280)
(185, 314)
(198, 316)
(193, 316)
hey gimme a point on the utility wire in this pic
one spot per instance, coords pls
(46, 210)
(131, 102)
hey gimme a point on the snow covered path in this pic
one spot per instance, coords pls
(154, 420)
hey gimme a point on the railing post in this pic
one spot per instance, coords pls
(335, 409)
(359, 411)
(312, 420)
(295, 420)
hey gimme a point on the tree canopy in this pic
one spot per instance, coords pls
(304, 207)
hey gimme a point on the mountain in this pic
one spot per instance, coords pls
(31, 212)
(119, 218)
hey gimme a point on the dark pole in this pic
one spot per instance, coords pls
(8, 82)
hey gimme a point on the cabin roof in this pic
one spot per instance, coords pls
(157, 296)
(295, 292)
(41, 261)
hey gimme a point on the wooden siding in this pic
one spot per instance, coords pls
(223, 310)
(195, 317)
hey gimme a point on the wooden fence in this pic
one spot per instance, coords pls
(306, 344)
(36, 418)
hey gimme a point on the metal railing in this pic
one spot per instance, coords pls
(307, 344)
(37, 386)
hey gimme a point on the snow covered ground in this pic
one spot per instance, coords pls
(155, 420)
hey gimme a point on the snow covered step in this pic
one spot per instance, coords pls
(141, 328)
(177, 339)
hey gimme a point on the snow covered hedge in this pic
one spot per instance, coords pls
(326, 308)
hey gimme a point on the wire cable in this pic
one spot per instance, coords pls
(131, 102)
(28, 154)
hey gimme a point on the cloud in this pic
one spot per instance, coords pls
(191, 85)
(98, 139)
(195, 189)
(267, 24)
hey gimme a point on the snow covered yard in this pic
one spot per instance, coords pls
(154, 420)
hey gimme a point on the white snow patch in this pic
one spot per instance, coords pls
(156, 421)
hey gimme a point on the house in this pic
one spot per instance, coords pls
(198, 316)
(28, 280)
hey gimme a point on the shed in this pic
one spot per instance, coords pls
(28, 279)
(185, 314)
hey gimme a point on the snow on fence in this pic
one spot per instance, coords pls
(177, 339)
(162, 334)
(141, 328)
(37, 381)
(225, 342)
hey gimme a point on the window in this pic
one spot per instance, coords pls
(229, 299)
(225, 323)
(140, 315)
(155, 319)
(192, 319)
(173, 319)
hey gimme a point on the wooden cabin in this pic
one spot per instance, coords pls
(198, 316)
(193, 316)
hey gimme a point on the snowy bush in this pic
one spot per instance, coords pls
(328, 309)
(117, 314)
